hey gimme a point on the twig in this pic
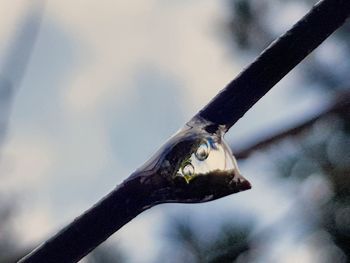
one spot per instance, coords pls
(275, 62)
(341, 105)
(156, 182)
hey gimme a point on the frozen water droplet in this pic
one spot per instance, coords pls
(188, 170)
(202, 152)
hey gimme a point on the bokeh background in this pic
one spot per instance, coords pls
(90, 89)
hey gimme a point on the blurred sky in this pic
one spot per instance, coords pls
(106, 84)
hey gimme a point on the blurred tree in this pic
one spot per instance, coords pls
(106, 254)
(222, 244)
(13, 64)
(15, 60)
(320, 156)
(314, 153)
(6, 237)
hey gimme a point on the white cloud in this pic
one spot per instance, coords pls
(26, 162)
(36, 223)
(115, 37)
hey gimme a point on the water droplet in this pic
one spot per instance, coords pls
(202, 152)
(188, 170)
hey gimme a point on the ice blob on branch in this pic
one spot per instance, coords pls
(211, 155)
(194, 165)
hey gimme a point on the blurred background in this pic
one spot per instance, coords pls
(90, 89)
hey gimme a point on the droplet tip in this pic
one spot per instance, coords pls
(245, 185)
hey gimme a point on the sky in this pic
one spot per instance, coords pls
(107, 83)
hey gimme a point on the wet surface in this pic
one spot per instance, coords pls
(194, 165)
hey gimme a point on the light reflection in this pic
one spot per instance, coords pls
(211, 153)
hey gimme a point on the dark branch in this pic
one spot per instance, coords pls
(340, 105)
(94, 226)
(275, 62)
(156, 182)
(159, 181)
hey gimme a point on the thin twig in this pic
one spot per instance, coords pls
(275, 62)
(341, 105)
(146, 188)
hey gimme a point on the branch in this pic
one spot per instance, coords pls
(340, 105)
(174, 174)
(275, 62)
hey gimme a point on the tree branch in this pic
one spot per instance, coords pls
(164, 178)
(275, 62)
(340, 105)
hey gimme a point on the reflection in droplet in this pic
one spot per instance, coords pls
(188, 170)
(202, 152)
